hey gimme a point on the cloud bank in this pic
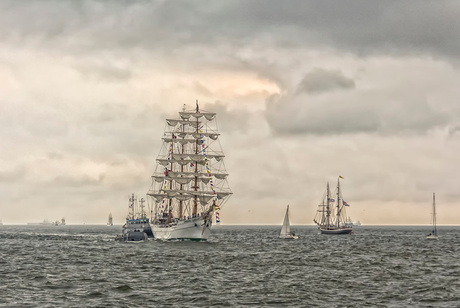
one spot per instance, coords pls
(304, 92)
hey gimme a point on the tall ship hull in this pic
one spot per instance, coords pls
(343, 230)
(189, 184)
(196, 229)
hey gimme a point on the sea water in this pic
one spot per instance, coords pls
(240, 266)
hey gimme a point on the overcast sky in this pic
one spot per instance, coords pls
(304, 91)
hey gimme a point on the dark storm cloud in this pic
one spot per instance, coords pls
(360, 27)
(320, 80)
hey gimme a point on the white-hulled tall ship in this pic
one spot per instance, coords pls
(189, 184)
(331, 215)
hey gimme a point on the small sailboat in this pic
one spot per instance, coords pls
(332, 218)
(286, 228)
(434, 233)
(110, 221)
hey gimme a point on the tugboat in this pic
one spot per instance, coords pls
(137, 226)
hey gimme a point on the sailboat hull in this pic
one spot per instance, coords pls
(432, 237)
(336, 231)
(289, 236)
(198, 229)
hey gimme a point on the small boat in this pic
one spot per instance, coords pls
(332, 218)
(45, 222)
(137, 226)
(434, 233)
(110, 221)
(286, 228)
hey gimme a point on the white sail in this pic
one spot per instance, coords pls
(220, 176)
(208, 115)
(174, 122)
(286, 228)
(184, 161)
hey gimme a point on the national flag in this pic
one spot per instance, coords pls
(344, 203)
(340, 176)
(191, 165)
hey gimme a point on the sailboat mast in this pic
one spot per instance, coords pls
(328, 212)
(434, 215)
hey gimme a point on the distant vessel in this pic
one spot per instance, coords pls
(45, 222)
(63, 221)
(332, 218)
(110, 221)
(1, 223)
(286, 228)
(350, 222)
(189, 184)
(434, 233)
(137, 226)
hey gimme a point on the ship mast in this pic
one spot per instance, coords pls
(338, 202)
(195, 206)
(132, 206)
(142, 207)
(328, 212)
(171, 181)
(434, 215)
(181, 210)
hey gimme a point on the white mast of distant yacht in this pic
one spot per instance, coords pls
(434, 216)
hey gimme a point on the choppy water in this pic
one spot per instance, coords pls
(82, 266)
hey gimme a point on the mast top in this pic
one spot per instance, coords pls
(197, 107)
